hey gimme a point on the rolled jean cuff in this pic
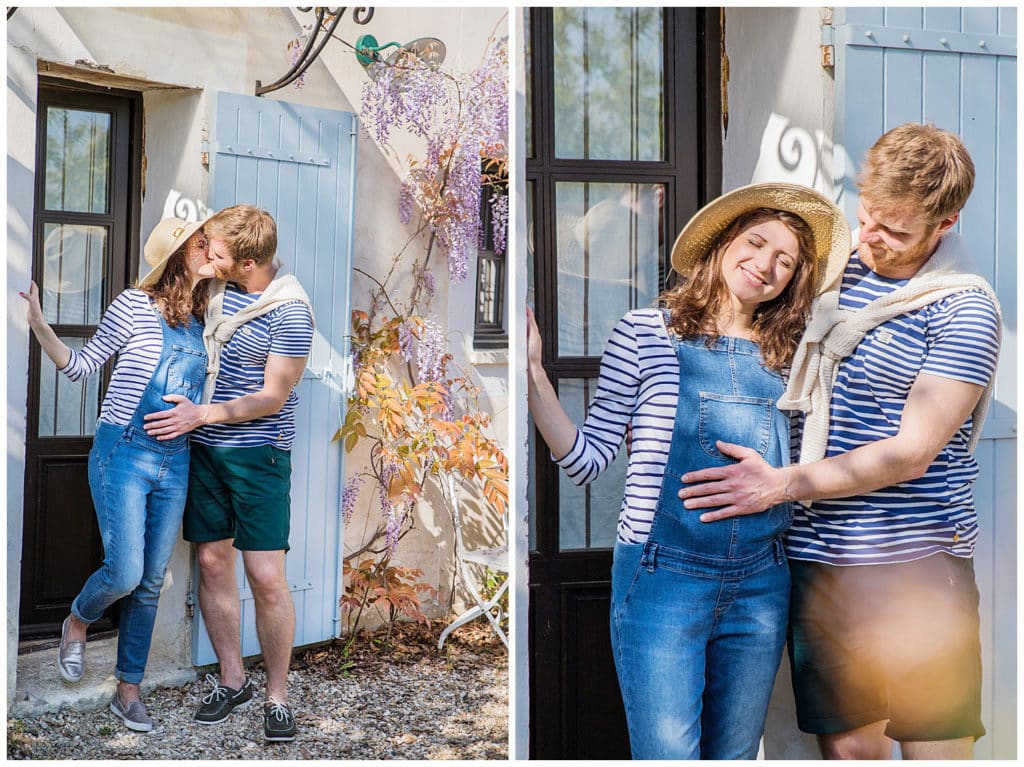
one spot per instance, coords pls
(79, 616)
(127, 677)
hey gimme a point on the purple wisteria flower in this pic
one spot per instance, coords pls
(394, 518)
(461, 117)
(405, 340)
(406, 198)
(499, 220)
(376, 111)
(349, 496)
(429, 283)
(301, 79)
(430, 352)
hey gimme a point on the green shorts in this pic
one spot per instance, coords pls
(242, 493)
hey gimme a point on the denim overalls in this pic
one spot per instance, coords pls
(138, 487)
(699, 610)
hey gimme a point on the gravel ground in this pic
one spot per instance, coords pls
(411, 702)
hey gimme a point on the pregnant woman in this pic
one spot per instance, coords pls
(698, 615)
(138, 484)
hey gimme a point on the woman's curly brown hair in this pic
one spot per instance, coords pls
(174, 294)
(696, 305)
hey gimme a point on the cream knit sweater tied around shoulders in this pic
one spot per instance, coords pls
(833, 333)
(283, 289)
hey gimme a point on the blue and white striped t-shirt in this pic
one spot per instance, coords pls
(638, 383)
(287, 331)
(130, 328)
(956, 337)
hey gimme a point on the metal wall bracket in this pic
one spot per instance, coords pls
(246, 593)
(273, 153)
(925, 40)
(325, 21)
(828, 56)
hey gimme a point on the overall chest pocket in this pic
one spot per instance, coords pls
(731, 418)
(186, 372)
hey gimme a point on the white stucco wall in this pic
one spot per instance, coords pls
(21, 130)
(179, 58)
(780, 99)
(519, 478)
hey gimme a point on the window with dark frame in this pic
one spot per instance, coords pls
(489, 331)
(616, 161)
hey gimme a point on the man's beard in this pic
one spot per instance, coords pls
(233, 274)
(886, 258)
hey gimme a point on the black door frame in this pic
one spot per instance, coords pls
(39, 616)
(693, 51)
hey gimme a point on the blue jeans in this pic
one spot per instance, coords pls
(686, 631)
(138, 488)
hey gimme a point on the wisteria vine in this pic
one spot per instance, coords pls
(463, 119)
(417, 410)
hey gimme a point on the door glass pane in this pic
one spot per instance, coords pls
(587, 515)
(531, 294)
(67, 408)
(528, 101)
(609, 83)
(77, 160)
(609, 252)
(72, 278)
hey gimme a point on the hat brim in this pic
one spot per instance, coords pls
(154, 274)
(826, 220)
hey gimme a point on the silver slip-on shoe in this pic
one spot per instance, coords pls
(70, 656)
(134, 715)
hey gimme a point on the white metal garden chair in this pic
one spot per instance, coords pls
(495, 559)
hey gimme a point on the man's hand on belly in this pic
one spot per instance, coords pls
(747, 487)
(181, 419)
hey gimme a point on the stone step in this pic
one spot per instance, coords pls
(41, 688)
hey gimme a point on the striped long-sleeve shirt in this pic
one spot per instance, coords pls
(638, 384)
(956, 337)
(130, 328)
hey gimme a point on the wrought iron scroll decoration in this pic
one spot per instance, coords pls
(322, 33)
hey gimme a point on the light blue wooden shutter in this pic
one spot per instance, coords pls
(957, 68)
(298, 163)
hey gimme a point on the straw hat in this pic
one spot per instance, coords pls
(827, 222)
(166, 237)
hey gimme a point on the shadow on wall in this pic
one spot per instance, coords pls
(791, 153)
(187, 208)
(19, 241)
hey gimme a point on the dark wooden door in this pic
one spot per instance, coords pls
(83, 256)
(623, 145)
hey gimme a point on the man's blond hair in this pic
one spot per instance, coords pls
(921, 167)
(248, 232)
